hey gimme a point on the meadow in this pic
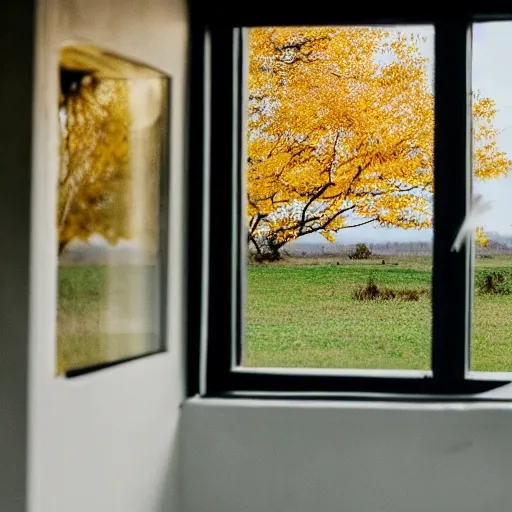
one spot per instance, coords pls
(105, 313)
(299, 312)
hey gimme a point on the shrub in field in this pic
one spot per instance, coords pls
(368, 292)
(372, 291)
(494, 282)
(412, 295)
(361, 252)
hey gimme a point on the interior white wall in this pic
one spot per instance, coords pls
(105, 441)
(351, 457)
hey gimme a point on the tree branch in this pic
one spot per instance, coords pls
(308, 204)
(251, 238)
(361, 224)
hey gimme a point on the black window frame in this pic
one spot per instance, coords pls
(215, 265)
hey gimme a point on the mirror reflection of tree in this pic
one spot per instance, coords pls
(96, 173)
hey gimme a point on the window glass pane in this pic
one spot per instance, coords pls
(491, 348)
(113, 124)
(338, 183)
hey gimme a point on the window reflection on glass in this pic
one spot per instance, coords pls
(113, 123)
(491, 348)
(338, 182)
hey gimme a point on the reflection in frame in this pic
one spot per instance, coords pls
(113, 120)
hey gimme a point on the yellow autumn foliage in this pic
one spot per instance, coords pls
(340, 133)
(95, 182)
(480, 238)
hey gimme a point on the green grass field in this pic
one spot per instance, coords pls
(97, 309)
(300, 313)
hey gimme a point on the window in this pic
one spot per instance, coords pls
(111, 209)
(492, 308)
(231, 364)
(338, 184)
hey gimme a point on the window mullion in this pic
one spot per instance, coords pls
(452, 185)
(221, 220)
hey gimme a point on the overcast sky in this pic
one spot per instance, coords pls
(492, 76)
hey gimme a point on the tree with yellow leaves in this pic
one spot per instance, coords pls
(95, 182)
(340, 134)
(481, 239)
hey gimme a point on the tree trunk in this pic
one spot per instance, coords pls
(266, 249)
(62, 246)
(268, 255)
